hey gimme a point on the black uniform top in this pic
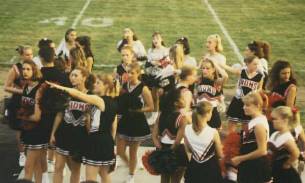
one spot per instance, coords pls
(246, 84)
(121, 72)
(18, 80)
(169, 124)
(54, 75)
(75, 113)
(102, 121)
(208, 90)
(279, 94)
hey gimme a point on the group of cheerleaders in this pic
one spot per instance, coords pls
(60, 107)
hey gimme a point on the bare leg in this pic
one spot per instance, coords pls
(133, 151)
(105, 175)
(59, 167)
(75, 171)
(121, 149)
(91, 172)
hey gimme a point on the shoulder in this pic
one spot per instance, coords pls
(261, 120)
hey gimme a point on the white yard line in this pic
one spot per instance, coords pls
(81, 13)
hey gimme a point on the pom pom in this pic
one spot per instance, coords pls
(147, 166)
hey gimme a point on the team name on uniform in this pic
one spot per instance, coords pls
(27, 101)
(80, 106)
(206, 89)
(248, 83)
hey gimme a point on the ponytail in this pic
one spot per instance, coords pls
(202, 109)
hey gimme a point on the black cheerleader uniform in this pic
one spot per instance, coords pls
(71, 133)
(279, 156)
(204, 165)
(255, 170)
(33, 134)
(245, 85)
(169, 123)
(99, 148)
(207, 90)
(132, 126)
(279, 94)
(121, 74)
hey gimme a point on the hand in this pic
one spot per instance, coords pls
(53, 85)
(236, 161)
(157, 144)
(286, 165)
(52, 140)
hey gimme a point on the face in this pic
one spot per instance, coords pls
(52, 45)
(72, 36)
(253, 66)
(248, 52)
(207, 69)
(127, 56)
(192, 78)
(133, 75)
(27, 71)
(278, 121)
(211, 44)
(99, 87)
(157, 40)
(76, 78)
(250, 108)
(285, 74)
(27, 55)
(180, 103)
(127, 33)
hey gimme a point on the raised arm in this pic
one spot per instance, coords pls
(235, 71)
(90, 99)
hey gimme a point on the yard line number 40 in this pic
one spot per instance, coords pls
(91, 22)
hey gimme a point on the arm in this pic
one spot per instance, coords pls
(9, 83)
(188, 98)
(218, 145)
(222, 72)
(148, 101)
(294, 154)
(89, 64)
(291, 95)
(155, 133)
(91, 99)
(231, 69)
(180, 133)
(261, 134)
(57, 121)
(114, 127)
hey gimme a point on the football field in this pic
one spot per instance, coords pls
(281, 22)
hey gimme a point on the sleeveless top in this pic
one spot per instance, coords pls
(279, 94)
(276, 148)
(207, 90)
(75, 112)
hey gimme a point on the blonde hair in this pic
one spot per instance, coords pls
(253, 98)
(176, 55)
(285, 112)
(202, 109)
(78, 56)
(113, 87)
(217, 39)
(129, 48)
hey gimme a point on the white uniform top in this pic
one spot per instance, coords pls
(218, 57)
(63, 47)
(278, 140)
(137, 47)
(37, 61)
(263, 65)
(259, 120)
(201, 143)
(155, 54)
(190, 61)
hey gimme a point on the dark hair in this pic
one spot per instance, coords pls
(157, 34)
(45, 42)
(85, 41)
(89, 84)
(67, 33)
(36, 72)
(186, 46)
(261, 49)
(274, 75)
(168, 100)
(47, 54)
(249, 59)
(21, 48)
(186, 71)
(23, 181)
(59, 63)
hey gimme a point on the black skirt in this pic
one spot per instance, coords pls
(35, 138)
(180, 153)
(99, 149)
(281, 175)
(236, 111)
(207, 172)
(215, 121)
(254, 171)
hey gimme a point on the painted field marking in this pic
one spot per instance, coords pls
(81, 13)
(98, 22)
(60, 21)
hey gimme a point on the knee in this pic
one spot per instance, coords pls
(59, 167)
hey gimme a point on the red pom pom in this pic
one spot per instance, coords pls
(146, 164)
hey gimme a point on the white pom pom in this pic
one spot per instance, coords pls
(237, 66)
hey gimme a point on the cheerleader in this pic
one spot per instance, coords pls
(85, 43)
(14, 85)
(77, 58)
(69, 132)
(168, 132)
(45, 42)
(214, 48)
(127, 55)
(130, 38)
(134, 100)
(204, 143)
(188, 60)
(209, 88)
(33, 134)
(250, 79)
(252, 163)
(283, 148)
(99, 150)
(67, 44)
(262, 50)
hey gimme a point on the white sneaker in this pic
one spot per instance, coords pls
(130, 179)
(22, 159)
(45, 178)
(51, 166)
